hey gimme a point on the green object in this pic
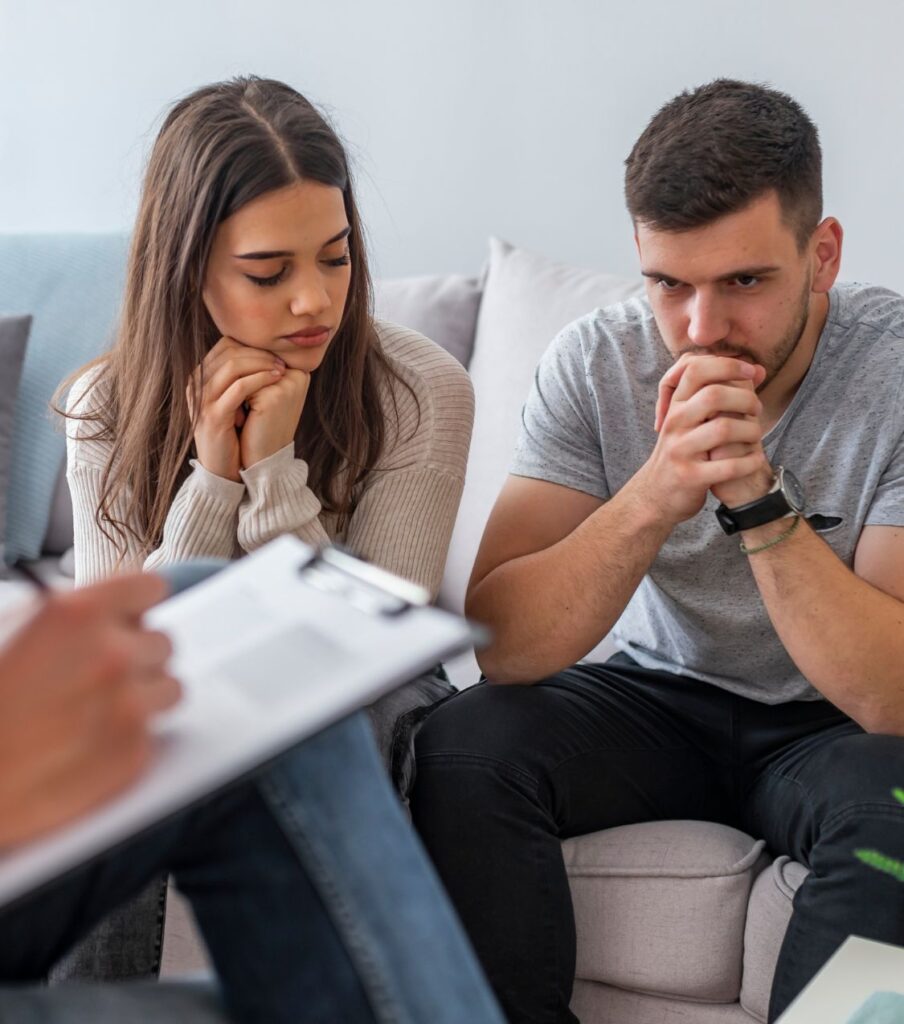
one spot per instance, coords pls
(773, 542)
(880, 861)
(880, 1008)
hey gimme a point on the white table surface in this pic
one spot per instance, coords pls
(859, 968)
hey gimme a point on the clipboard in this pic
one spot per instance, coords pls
(274, 648)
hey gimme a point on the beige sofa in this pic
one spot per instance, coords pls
(677, 921)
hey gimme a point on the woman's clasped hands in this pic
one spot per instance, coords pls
(250, 406)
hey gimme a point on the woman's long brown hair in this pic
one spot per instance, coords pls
(219, 148)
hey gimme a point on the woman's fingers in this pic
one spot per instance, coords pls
(228, 348)
(222, 350)
(240, 365)
(242, 389)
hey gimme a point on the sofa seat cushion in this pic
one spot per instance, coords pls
(661, 907)
(768, 914)
(593, 1003)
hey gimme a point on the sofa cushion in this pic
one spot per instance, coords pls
(593, 1003)
(71, 284)
(13, 339)
(768, 914)
(660, 907)
(443, 308)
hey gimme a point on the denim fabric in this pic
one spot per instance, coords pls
(382, 892)
(506, 772)
(312, 893)
(308, 885)
(127, 945)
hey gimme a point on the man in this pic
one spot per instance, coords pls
(760, 619)
(307, 883)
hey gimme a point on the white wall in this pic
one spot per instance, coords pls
(465, 118)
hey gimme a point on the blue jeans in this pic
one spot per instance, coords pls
(314, 897)
(127, 944)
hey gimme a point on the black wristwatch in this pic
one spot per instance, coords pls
(785, 499)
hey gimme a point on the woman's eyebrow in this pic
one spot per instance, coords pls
(271, 254)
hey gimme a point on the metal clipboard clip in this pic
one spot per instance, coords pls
(365, 586)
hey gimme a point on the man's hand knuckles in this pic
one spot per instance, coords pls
(712, 400)
(685, 474)
(725, 430)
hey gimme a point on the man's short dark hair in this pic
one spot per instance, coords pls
(713, 150)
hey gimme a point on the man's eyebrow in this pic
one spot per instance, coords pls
(730, 276)
(747, 272)
(657, 273)
(271, 254)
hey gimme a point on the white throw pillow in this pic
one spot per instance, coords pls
(527, 300)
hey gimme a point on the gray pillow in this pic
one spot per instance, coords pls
(441, 307)
(13, 339)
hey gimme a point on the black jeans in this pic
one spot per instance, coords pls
(506, 772)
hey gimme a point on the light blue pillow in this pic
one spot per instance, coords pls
(72, 286)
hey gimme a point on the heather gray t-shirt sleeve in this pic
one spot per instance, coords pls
(559, 438)
(887, 506)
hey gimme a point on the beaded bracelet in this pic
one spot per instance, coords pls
(774, 541)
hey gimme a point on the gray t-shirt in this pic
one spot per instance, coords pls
(588, 424)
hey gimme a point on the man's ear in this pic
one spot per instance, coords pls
(826, 246)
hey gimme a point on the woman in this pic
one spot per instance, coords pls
(250, 392)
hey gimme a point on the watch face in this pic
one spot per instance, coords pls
(794, 493)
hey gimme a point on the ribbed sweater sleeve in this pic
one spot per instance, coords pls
(279, 501)
(201, 522)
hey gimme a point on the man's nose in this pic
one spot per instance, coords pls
(707, 321)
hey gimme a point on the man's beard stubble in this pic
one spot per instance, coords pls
(779, 355)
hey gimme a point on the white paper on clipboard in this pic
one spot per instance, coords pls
(269, 651)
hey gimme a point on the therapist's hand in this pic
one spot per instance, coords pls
(79, 684)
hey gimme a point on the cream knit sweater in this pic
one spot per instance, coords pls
(404, 517)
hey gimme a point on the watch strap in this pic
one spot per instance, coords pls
(763, 510)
